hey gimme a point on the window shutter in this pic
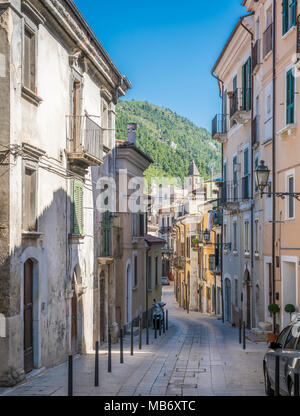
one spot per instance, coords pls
(291, 199)
(77, 208)
(246, 162)
(294, 12)
(290, 99)
(285, 16)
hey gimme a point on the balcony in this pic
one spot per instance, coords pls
(217, 218)
(197, 241)
(240, 105)
(256, 56)
(268, 40)
(229, 195)
(85, 142)
(219, 128)
(255, 131)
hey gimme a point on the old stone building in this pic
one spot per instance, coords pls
(58, 91)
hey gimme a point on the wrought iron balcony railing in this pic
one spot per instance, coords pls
(241, 100)
(219, 127)
(85, 139)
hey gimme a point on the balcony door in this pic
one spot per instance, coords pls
(28, 317)
(76, 123)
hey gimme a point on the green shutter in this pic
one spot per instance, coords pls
(246, 162)
(77, 208)
(256, 166)
(285, 16)
(294, 12)
(290, 97)
(106, 234)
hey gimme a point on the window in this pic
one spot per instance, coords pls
(188, 246)
(246, 80)
(282, 337)
(29, 69)
(156, 271)
(290, 199)
(205, 261)
(289, 15)
(235, 236)
(106, 234)
(247, 236)
(246, 178)
(135, 275)
(29, 201)
(290, 97)
(235, 178)
(212, 262)
(225, 234)
(256, 228)
(269, 17)
(77, 223)
(291, 340)
(236, 292)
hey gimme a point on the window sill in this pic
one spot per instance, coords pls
(76, 239)
(31, 96)
(289, 32)
(288, 131)
(31, 235)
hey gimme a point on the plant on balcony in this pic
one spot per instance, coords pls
(195, 242)
(274, 309)
(290, 309)
(230, 94)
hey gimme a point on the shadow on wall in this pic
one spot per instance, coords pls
(41, 295)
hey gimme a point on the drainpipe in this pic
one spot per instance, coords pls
(252, 168)
(222, 222)
(274, 157)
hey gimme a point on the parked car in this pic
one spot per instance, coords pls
(287, 346)
(165, 281)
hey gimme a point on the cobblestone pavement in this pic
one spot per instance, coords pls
(198, 356)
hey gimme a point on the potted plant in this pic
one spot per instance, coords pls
(274, 309)
(290, 309)
(230, 94)
(195, 242)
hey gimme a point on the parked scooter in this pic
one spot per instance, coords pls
(158, 313)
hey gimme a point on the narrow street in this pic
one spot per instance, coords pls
(198, 356)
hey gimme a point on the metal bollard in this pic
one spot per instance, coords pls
(244, 336)
(167, 320)
(121, 347)
(155, 328)
(140, 333)
(277, 376)
(97, 365)
(164, 323)
(296, 385)
(240, 331)
(70, 376)
(131, 338)
(147, 328)
(109, 351)
(159, 327)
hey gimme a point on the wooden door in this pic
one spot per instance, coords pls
(248, 306)
(28, 316)
(102, 310)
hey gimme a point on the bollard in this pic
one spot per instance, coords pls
(109, 351)
(121, 347)
(167, 320)
(97, 365)
(244, 336)
(155, 328)
(140, 333)
(131, 338)
(159, 327)
(70, 376)
(147, 328)
(296, 385)
(240, 331)
(164, 323)
(277, 376)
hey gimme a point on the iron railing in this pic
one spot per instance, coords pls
(240, 101)
(84, 136)
(219, 125)
(268, 39)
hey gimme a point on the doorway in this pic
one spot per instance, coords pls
(289, 288)
(228, 300)
(28, 317)
(129, 294)
(74, 324)
(102, 308)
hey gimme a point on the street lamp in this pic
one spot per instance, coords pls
(262, 174)
(206, 236)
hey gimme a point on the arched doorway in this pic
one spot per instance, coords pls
(228, 300)
(28, 317)
(74, 322)
(129, 294)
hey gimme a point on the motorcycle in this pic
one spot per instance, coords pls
(158, 313)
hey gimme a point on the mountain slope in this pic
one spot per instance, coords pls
(172, 141)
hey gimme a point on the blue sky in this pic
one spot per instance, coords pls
(166, 48)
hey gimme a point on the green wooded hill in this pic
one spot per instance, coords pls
(172, 141)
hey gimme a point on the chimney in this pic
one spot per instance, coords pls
(132, 128)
